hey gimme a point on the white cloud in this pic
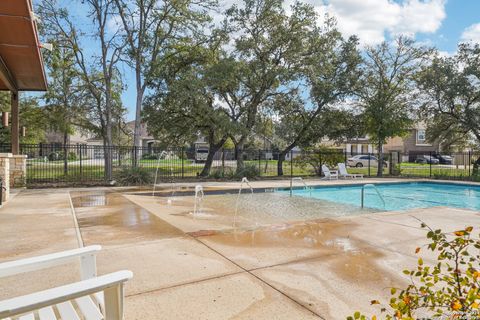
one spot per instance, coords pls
(472, 33)
(371, 20)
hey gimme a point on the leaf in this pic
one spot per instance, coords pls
(459, 233)
(356, 315)
(417, 250)
(420, 261)
(374, 302)
(456, 305)
(469, 229)
(393, 291)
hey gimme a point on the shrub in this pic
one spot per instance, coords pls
(72, 156)
(448, 289)
(249, 171)
(219, 173)
(59, 155)
(149, 156)
(54, 156)
(128, 176)
(317, 158)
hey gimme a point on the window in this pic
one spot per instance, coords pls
(421, 136)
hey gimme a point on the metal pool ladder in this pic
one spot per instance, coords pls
(305, 186)
(376, 190)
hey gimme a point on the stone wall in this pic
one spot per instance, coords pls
(18, 171)
(5, 174)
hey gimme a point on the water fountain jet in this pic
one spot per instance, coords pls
(244, 181)
(198, 200)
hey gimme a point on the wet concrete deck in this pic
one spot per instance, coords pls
(187, 268)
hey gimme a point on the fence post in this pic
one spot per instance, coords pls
(81, 156)
(259, 162)
(390, 161)
(469, 163)
(369, 155)
(291, 164)
(183, 166)
(135, 153)
(321, 163)
(430, 159)
(223, 162)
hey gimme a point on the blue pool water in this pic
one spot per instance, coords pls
(400, 196)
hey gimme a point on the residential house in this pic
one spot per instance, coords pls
(409, 147)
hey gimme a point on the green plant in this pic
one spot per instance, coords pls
(72, 156)
(219, 173)
(448, 289)
(149, 156)
(318, 157)
(249, 171)
(54, 156)
(128, 176)
(59, 155)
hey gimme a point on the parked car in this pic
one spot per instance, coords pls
(427, 159)
(201, 155)
(444, 159)
(364, 160)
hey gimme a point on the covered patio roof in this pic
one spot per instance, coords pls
(21, 64)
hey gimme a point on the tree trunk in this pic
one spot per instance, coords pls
(212, 150)
(380, 160)
(476, 168)
(281, 159)
(239, 155)
(138, 117)
(108, 145)
(65, 153)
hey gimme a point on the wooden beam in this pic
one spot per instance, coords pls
(15, 123)
(6, 77)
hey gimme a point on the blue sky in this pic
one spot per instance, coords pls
(439, 23)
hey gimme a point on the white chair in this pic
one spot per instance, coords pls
(343, 173)
(92, 298)
(329, 175)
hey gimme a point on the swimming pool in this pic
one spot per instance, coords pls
(399, 196)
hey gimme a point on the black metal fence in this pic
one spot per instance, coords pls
(49, 164)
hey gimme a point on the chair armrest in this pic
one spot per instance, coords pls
(41, 299)
(41, 262)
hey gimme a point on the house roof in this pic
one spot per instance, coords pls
(21, 63)
(143, 130)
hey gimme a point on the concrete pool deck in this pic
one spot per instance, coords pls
(188, 268)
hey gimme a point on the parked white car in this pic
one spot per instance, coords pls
(201, 155)
(364, 160)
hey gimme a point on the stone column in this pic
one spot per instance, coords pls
(5, 174)
(18, 171)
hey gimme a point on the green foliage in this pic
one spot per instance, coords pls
(150, 156)
(225, 173)
(320, 156)
(250, 171)
(59, 155)
(128, 176)
(387, 90)
(450, 87)
(450, 288)
(31, 115)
